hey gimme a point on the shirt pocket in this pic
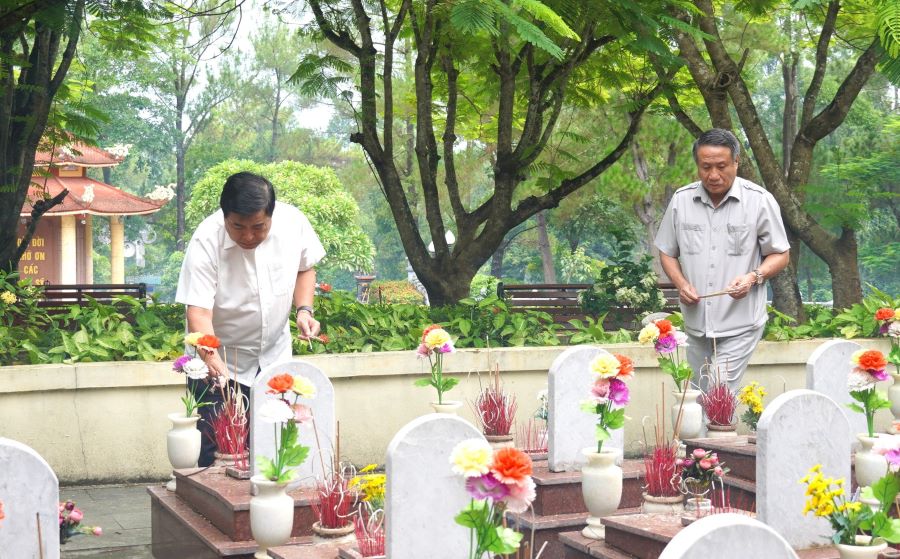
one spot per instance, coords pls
(279, 280)
(738, 239)
(690, 237)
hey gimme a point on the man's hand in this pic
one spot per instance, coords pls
(307, 325)
(741, 285)
(688, 295)
(213, 362)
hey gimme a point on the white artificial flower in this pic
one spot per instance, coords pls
(195, 369)
(894, 330)
(681, 339)
(858, 381)
(276, 411)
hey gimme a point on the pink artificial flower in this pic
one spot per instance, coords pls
(302, 414)
(705, 464)
(699, 453)
(520, 496)
(714, 459)
(486, 487)
(666, 344)
(76, 515)
(679, 462)
(618, 392)
(97, 531)
(69, 505)
(422, 351)
(688, 463)
(600, 389)
(719, 471)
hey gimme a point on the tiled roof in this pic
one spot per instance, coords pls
(78, 154)
(107, 200)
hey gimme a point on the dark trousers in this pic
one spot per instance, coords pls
(207, 433)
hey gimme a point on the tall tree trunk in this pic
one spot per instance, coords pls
(273, 141)
(843, 264)
(544, 246)
(497, 260)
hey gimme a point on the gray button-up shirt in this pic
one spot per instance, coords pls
(715, 245)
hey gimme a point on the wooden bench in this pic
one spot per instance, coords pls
(56, 299)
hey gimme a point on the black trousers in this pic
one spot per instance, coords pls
(207, 413)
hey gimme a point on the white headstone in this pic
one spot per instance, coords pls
(423, 495)
(28, 489)
(798, 430)
(735, 536)
(262, 435)
(569, 429)
(826, 372)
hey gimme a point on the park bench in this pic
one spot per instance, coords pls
(56, 299)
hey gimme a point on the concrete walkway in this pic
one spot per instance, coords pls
(123, 511)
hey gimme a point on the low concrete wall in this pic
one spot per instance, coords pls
(106, 422)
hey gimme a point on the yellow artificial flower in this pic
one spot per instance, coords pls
(855, 357)
(896, 314)
(472, 457)
(605, 365)
(304, 387)
(648, 334)
(8, 297)
(437, 338)
(371, 486)
(193, 338)
(854, 506)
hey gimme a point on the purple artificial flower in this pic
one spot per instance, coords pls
(893, 460)
(879, 374)
(178, 365)
(486, 487)
(884, 328)
(666, 344)
(618, 392)
(688, 463)
(446, 348)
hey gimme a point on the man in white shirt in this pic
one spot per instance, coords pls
(245, 266)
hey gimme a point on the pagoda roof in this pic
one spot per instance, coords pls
(79, 155)
(106, 200)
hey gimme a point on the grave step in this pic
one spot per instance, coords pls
(560, 492)
(736, 452)
(548, 528)
(225, 502)
(178, 531)
(307, 551)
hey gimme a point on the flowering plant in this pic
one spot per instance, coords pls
(868, 369)
(666, 340)
(192, 368)
(700, 469)
(289, 453)
(751, 396)
(849, 518)
(70, 518)
(609, 394)
(497, 481)
(370, 485)
(435, 343)
(890, 325)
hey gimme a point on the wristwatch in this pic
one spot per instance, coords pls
(760, 278)
(306, 308)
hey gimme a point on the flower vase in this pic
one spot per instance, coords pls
(862, 549)
(601, 487)
(662, 505)
(894, 395)
(714, 431)
(333, 535)
(697, 491)
(182, 443)
(447, 406)
(271, 515)
(868, 466)
(500, 441)
(231, 460)
(691, 415)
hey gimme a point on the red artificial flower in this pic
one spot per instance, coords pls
(626, 366)
(429, 329)
(208, 340)
(872, 360)
(324, 339)
(664, 327)
(325, 287)
(511, 465)
(884, 314)
(2, 516)
(280, 384)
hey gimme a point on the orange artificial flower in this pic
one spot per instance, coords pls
(2, 516)
(325, 287)
(429, 329)
(884, 314)
(664, 326)
(511, 465)
(208, 341)
(324, 339)
(626, 366)
(872, 360)
(280, 384)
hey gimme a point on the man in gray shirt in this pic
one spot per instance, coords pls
(722, 233)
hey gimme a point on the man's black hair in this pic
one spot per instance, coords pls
(718, 137)
(246, 193)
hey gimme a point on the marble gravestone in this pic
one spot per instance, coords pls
(321, 431)
(826, 372)
(423, 494)
(734, 536)
(799, 429)
(569, 429)
(29, 490)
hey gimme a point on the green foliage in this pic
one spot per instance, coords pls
(483, 286)
(288, 455)
(488, 533)
(879, 523)
(872, 400)
(315, 191)
(396, 291)
(857, 321)
(624, 283)
(22, 323)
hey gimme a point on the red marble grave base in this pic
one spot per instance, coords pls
(177, 531)
(225, 502)
(560, 492)
(306, 551)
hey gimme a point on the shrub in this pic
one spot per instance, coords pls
(395, 291)
(624, 283)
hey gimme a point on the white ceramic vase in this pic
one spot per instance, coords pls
(182, 443)
(663, 505)
(894, 395)
(271, 515)
(862, 549)
(448, 406)
(868, 466)
(692, 415)
(601, 487)
(720, 431)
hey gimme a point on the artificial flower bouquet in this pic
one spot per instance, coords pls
(700, 470)
(752, 396)
(289, 453)
(497, 481)
(435, 343)
(193, 368)
(889, 320)
(609, 394)
(850, 518)
(666, 340)
(70, 518)
(868, 369)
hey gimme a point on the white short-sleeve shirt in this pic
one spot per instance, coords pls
(249, 291)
